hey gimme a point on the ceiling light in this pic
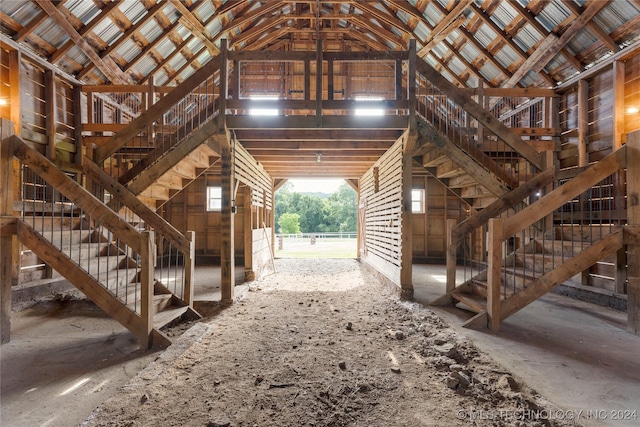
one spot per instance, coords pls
(633, 110)
(318, 157)
(4, 101)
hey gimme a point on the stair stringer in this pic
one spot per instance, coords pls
(545, 283)
(89, 286)
(430, 135)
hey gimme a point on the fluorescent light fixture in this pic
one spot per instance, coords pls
(264, 111)
(364, 111)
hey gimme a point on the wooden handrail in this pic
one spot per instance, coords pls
(480, 114)
(75, 192)
(128, 199)
(157, 109)
(552, 201)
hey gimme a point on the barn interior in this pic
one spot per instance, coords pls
(142, 139)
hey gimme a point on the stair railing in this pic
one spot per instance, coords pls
(78, 228)
(578, 214)
(175, 257)
(158, 129)
(473, 129)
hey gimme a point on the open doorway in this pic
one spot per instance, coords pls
(316, 218)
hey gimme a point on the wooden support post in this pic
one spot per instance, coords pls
(494, 271)
(452, 255)
(50, 112)
(406, 254)
(307, 79)
(583, 122)
(227, 244)
(235, 78)
(481, 101)
(147, 263)
(398, 74)
(76, 94)
(411, 85)
(330, 79)
(15, 91)
(618, 104)
(189, 269)
(319, 75)
(222, 98)
(249, 274)
(633, 217)
(8, 243)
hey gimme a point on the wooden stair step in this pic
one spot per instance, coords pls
(156, 192)
(185, 170)
(475, 303)
(168, 315)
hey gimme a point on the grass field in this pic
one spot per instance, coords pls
(323, 248)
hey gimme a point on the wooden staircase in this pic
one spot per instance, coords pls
(542, 258)
(105, 257)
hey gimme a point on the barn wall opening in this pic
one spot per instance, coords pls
(316, 219)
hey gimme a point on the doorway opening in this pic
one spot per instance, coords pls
(316, 218)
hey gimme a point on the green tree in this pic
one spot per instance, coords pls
(289, 223)
(342, 211)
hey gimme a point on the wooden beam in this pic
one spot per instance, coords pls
(107, 66)
(553, 200)
(583, 122)
(147, 263)
(195, 26)
(7, 249)
(601, 34)
(227, 241)
(15, 91)
(50, 112)
(552, 44)
(125, 36)
(156, 110)
(449, 23)
(406, 248)
(633, 219)
(480, 114)
(76, 193)
(127, 198)
(249, 274)
(618, 104)
(89, 26)
(494, 272)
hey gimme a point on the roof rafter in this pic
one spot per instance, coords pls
(107, 66)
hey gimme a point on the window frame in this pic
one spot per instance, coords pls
(210, 197)
(421, 200)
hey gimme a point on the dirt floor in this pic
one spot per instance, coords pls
(322, 344)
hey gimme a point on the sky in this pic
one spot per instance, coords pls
(316, 185)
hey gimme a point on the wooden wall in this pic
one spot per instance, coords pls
(429, 228)
(187, 212)
(380, 206)
(598, 127)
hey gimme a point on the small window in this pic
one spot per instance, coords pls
(214, 198)
(417, 201)
(367, 110)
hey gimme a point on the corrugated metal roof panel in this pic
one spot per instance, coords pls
(146, 65)
(527, 37)
(616, 14)
(76, 54)
(205, 10)
(128, 50)
(23, 12)
(582, 41)
(51, 33)
(421, 31)
(432, 15)
(553, 14)
(151, 30)
(133, 9)
(469, 52)
(165, 47)
(107, 31)
(194, 44)
(506, 56)
(214, 27)
(489, 71)
(177, 62)
(83, 10)
(485, 35)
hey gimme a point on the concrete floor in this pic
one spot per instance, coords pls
(578, 355)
